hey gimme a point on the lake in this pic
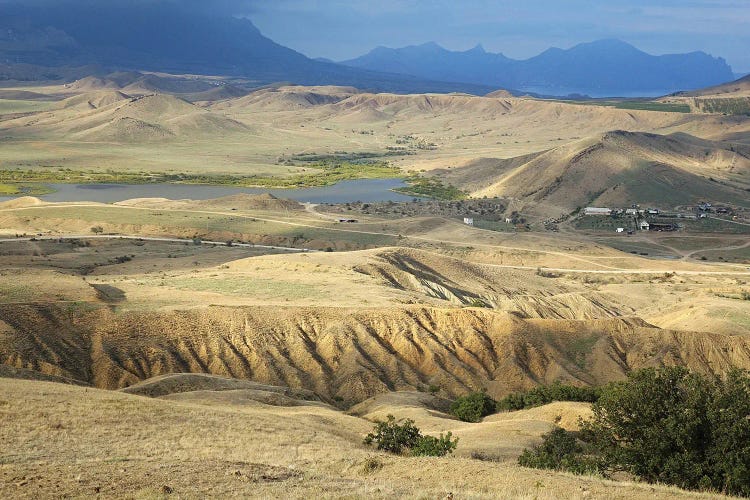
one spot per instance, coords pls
(365, 190)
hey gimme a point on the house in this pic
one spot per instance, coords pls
(644, 226)
(653, 211)
(631, 211)
(620, 229)
(722, 210)
(469, 221)
(597, 211)
(508, 220)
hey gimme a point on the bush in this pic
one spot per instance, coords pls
(474, 407)
(543, 395)
(393, 437)
(559, 450)
(403, 437)
(430, 446)
(668, 426)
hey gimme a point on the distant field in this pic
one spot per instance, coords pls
(12, 106)
(654, 106)
(725, 105)
(638, 247)
(636, 105)
(741, 255)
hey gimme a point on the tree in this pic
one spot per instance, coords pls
(669, 426)
(393, 437)
(473, 407)
(655, 426)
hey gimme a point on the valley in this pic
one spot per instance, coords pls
(415, 249)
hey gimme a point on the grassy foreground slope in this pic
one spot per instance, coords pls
(149, 448)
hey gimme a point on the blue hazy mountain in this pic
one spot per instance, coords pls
(160, 36)
(604, 67)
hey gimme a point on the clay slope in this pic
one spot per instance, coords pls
(468, 284)
(616, 169)
(346, 353)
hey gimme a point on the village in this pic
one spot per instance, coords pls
(636, 218)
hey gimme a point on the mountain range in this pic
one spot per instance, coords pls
(600, 68)
(44, 43)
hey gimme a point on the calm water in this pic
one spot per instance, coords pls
(368, 190)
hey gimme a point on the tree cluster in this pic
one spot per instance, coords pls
(666, 426)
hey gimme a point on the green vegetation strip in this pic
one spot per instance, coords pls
(725, 105)
(326, 174)
(665, 107)
(429, 187)
(23, 189)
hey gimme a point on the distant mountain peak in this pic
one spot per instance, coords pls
(601, 68)
(431, 45)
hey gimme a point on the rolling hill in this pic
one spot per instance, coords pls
(113, 116)
(614, 169)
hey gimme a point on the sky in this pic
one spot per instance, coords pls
(343, 29)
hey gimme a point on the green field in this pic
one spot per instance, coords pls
(638, 105)
(653, 106)
(726, 105)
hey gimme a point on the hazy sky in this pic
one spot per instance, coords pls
(340, 29)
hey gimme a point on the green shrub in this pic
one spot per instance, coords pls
(474, 407)
(543, 395)
(559, 450)
(430, 446)
(403, 437)
(393, 436)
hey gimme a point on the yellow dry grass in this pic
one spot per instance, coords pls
(67, 441)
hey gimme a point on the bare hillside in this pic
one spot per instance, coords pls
(615, 169)
(349, 354)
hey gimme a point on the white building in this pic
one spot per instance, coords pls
(469, 221)
(597, 211)
(645, 226)
(620, 229)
